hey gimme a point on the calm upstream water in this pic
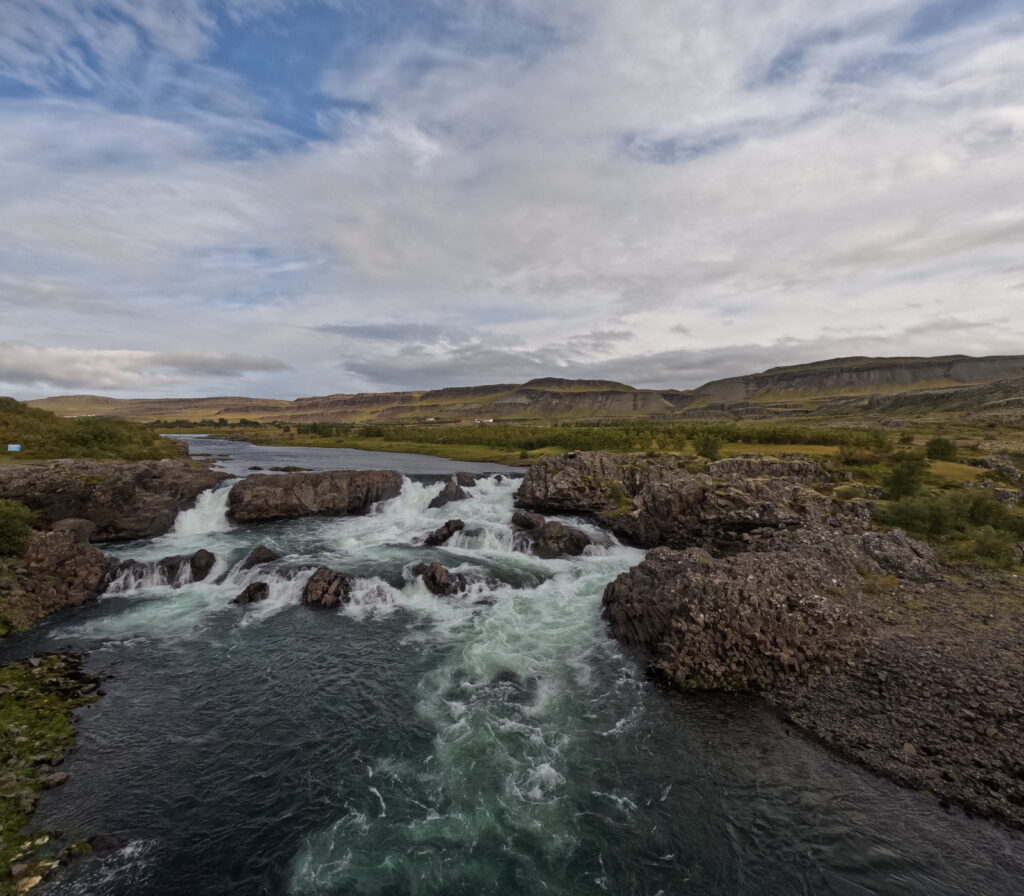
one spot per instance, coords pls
(492, 743)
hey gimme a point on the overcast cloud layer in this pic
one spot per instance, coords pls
(281, 198)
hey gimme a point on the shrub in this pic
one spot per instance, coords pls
(907, 438)
(906, 477)
(708, 445)
(15, 527)
(940, 449)
(995, 546)
(853, 455)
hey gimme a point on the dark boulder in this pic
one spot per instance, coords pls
(123, 500)
(439, 579)
(294, 495)
(183, 568)
(441, 535)
(452, 491)
(555, 539)
(255, 591)
(327, 589)
(550, 538)
(466, 480)
(259, 555)
(528, 522)
(201, 562)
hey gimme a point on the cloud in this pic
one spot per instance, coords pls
(65, 368)
(408, 332)
(500, 191)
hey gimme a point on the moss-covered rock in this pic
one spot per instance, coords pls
(38, 698)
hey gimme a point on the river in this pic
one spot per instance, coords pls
(496, 742)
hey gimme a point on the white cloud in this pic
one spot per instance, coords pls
(796, 177)
(65, 368)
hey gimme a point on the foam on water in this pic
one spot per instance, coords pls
(514, 750)
(209, 514)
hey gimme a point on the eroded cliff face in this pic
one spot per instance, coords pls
(862, 375)
(858, 636)
(124, 500)
(58, 570)
(655, 501)
(292, 495)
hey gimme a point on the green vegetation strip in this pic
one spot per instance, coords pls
(44, 436)
(37, 699)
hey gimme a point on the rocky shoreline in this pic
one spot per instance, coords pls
(759, 578)
(38, 698)
(762, 580)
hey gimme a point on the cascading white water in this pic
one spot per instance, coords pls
(209, 514)
(494, 741)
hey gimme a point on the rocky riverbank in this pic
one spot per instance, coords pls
(762, 580)
(292, 495)
(122, 500)
(38, 698)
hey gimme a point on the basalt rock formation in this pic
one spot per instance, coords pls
(57, 571)
(259, 555)
(443, 533)
(123, 500)
(654, 501)
(327, 589)
(550, 538)
(856, 636)
(252, 593)
(745, 620)
(294, 495)
(439, 579)
(452, 491)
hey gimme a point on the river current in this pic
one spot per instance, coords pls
(496, 742)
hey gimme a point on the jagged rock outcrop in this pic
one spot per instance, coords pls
(452, 491)
(292, 495)
(57, 571)
(253, 593)
(442, 533)
(466, 480)
(79, 530)
(176, 571)
(124, 500)
(187, 567)
(439, 579)
(327, 589)
(654, 501)
(742, 621)
(259, 555)
(550, 538)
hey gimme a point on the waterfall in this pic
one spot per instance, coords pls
(209, 513)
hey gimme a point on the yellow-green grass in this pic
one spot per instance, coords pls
(730, 449)
(954, 472)
(473, 453)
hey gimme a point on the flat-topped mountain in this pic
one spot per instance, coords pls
(840, 386)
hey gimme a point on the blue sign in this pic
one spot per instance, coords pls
(14, 447)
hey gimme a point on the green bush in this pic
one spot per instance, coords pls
(857, 456)
(43, 435)
(970, 525)
(996, 546)
(707, 445)
(906, 477)
(940, 449)
(15, 527)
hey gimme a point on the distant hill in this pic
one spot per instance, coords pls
(993, 385)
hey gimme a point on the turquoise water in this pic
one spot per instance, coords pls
(494, 742)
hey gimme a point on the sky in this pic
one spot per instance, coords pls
(280, 198)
